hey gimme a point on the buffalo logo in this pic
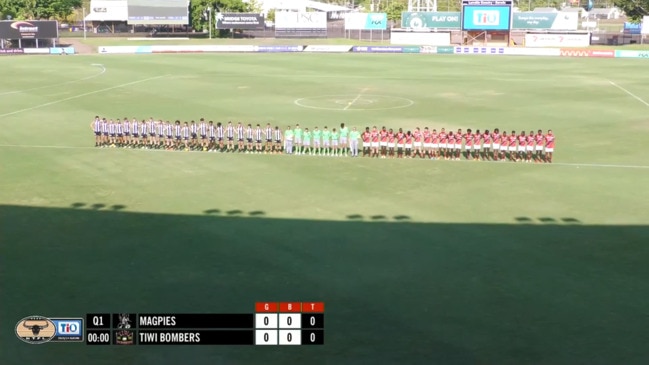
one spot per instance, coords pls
(35, 329)
(24, 27)
(124, 337)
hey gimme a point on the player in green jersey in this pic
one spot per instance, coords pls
(306, 142)
(344, 135)
(335, 149)
(326, 142)
(354, 136)
(297, 140)
(316, 141)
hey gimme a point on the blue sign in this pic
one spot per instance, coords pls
(486, 17)
(632, 28)
(376, 21)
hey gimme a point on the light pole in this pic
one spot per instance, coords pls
(84, 23)
(209, 14)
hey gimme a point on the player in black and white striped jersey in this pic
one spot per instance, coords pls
(249, 138)
(259, 135)
(269, 139)
(240, 137)
(229, 131)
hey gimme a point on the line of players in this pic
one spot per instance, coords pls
(213, 137)
(473, 145)
(383, 143)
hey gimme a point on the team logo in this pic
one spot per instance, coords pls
(124, 321)
(24, 27)
(124, 337)
(35, 330)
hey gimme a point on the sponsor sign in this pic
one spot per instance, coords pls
(11, 51)
(557, 40)
(366, 21)
(430, 20)
(428, 49)
(632, 54)
(300, 20)
(300, 24)
(61, 50)
(550, 21)
(632, 28)
(644, 29)
(29, 29)
(38, 50)
(446, 50)
(328, 49)
(517, 51)
(480, 50)
(587, 53)
(239, 21)
(275, 49)
(36, 330)
(421, 39)
(124, 49)
(202, 48)
(486, 17)
(378, 49)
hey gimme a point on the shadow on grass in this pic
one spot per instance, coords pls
(396, 291)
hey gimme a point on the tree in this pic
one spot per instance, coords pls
(634, 9)
(395, 8)
(199, 15)
(38, 9)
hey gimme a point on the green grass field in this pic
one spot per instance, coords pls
(418, 262)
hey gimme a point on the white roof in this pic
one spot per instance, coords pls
(300, 5)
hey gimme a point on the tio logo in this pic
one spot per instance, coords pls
(486, 17)
(68, 328)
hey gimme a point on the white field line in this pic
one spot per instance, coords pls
(630, 93)
(594, 165)
(81, 95)
(349, 105)
(103, 71)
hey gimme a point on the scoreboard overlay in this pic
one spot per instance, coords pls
(272, 323)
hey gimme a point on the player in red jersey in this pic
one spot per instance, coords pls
(434, 148)
(383, 143)
(495, 136)
(486, 145)
(477, 145)
(392, 143)
(549, 146)
(512, 146)
(539, 139)
(468, 143)
(522, 146)
(504, 146)
(366, 141)
(529, 147)
(375, 142)
(401, 141)
(428, 142)
(408, 144)
(417, 142)
(443, 140)
(457, 147)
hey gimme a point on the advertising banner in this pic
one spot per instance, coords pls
(632, 28)
(277, 49)
(587, 53)
(549, 21)
(42, 51)
(632, 54)
(240, 21)
(328, 49)
(557, 40)
(446, 50)
(11, 51)
(421, 39)
(378, 49)
(515, 51)
(366, 21)
(300, 24)
(644, 29)
(203, 48)
(480, 50)
(61, 50)
(29, 29)
(430, 20)
(486, 17)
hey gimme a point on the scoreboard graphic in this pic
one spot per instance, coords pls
(272, 323)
